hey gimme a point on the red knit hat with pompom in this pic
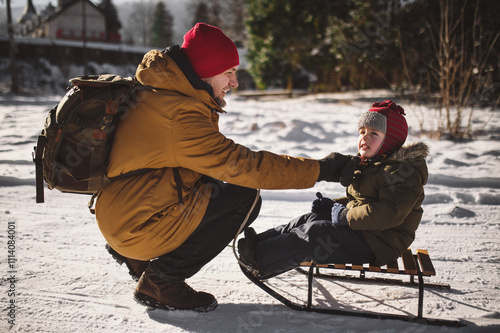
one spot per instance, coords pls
(386, 117)
(209, 50)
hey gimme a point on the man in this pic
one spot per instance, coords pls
(169, 222)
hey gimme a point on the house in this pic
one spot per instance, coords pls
(70, 20)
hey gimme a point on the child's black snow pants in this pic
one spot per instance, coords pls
(310, 237)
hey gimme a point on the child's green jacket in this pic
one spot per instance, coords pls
(385, 201)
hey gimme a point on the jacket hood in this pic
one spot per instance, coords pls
(413, 151)
(169, 70)
(414, 155)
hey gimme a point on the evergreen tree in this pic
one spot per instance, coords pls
(364, 42)
(211, 12)
(48, 11)
(162, 28)
(215, 10)
(283, 38)
(349, 39)
(113, 24)
(206, 13)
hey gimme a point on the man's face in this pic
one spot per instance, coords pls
(222, 83)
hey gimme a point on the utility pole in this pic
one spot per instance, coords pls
(14, 87)
(84, 36)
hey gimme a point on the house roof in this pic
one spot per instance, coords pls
(29, 13)
(61, 9)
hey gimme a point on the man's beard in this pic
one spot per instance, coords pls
(220, 101)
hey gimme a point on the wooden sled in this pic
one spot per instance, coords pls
(415, 265)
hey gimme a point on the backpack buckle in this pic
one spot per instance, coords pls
(98, 134)
(112, 107)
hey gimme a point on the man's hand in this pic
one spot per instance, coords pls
(338, 168)
(331, 166)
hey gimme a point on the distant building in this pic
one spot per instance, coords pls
(30, 20)
(71, 20)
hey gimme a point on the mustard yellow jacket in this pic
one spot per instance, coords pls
(175, 125)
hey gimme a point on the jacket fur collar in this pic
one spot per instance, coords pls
(413, 151)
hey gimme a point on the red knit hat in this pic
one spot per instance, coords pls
(386, 117)
(209, 50)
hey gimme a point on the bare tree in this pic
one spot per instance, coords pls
(233, 12)
(138, 28)
(461, 67)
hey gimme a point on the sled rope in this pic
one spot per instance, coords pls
(241, 229)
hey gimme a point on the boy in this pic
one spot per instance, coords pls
(377, 220)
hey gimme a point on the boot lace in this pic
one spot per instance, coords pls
(185, 288)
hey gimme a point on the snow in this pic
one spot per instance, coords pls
(65, 281)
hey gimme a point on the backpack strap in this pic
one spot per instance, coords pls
(132, 174)
(37, 158)
(90, 205)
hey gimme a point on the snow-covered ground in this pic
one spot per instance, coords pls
(63, 280)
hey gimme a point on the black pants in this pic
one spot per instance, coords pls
(228, 207)
(310, 237)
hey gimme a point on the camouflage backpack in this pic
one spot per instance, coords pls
(72, 151)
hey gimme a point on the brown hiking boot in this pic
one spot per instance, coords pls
(153, 292)
(135, 267)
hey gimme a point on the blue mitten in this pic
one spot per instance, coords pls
(339, 214)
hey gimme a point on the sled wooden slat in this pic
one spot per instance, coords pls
(309, 263)
(357, 267)
(425, 263)
(409, 262)
(413, 264)
(393, 267)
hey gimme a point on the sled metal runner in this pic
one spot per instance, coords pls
(308, 307)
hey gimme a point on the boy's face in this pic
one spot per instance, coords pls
(369, 141)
